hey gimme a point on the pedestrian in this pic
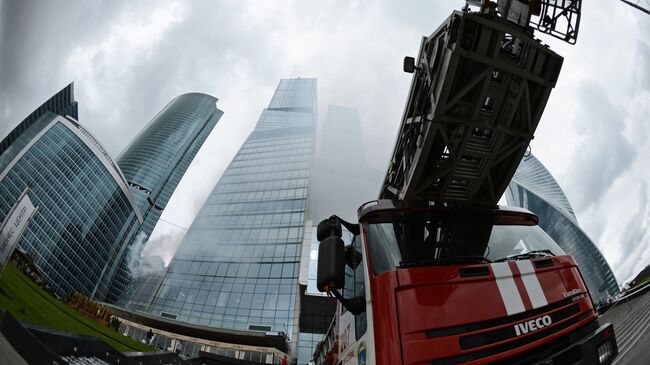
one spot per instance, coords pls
(149, 336)
(179, 347)
(284, 360)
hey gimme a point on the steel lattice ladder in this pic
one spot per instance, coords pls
(478, 92)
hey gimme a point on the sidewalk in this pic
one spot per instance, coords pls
(7, 353)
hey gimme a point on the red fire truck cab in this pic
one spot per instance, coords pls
(441, 283)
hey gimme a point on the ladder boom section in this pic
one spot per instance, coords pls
(478, 92)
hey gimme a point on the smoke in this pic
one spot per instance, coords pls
(138, 262)
(134, 256)
(164, 241)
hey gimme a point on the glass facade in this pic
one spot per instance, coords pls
(157, 159)
(141, 290)
(341, 154)
(85, 211)
(237, 266)
(533, 188)
(340, 182)
(61, 103)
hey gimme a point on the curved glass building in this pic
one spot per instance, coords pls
(84, 210)
(157, 159)
(535, 189)
(237, 266)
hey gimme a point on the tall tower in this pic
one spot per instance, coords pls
(341, 179)
(237, 267)
(61, 103)
(534, 188)
(157, 159)
(82, 212)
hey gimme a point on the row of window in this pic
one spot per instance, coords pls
(274, 206)
(280, 167)
(292, 99)
(292, 155)
(253, 196)
(240, 252)
(238, 270)
(278, 184)
(208, 301)
(269, 148)
(265, 176)
(253, 220)
(231, 284)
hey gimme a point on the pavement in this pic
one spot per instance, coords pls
(631, 322)
(7, 353)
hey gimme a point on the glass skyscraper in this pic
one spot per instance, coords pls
(533, 188)
(61, 103)
(157, 159)
(237, 266)
(84, 210)
(340, 182)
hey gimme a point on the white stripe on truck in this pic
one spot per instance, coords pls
(507, 288)
(534, 289)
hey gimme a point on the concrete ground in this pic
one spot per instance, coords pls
(7, 353)
(631, 322)
(640, 353)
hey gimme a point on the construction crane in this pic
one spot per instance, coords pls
(480, 85)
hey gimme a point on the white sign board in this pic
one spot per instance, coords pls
(13, 227)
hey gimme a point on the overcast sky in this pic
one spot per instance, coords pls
(128, 60)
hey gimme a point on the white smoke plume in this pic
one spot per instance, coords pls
(141, 264)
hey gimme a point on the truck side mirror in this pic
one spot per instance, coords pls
(331, 264)
(409, 65)
(329, 227)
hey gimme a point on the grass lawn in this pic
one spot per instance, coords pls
(29, 303)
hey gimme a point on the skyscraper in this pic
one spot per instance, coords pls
(62, 103)
(157, 159)
(83, 212)
(534, 188)
(340, 181)
(237, 266)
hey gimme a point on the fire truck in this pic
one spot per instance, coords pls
(437, 272)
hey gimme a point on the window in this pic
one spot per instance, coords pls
(411, 239)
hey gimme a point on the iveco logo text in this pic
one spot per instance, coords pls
(532, 325)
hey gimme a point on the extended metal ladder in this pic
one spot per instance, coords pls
(479, 89)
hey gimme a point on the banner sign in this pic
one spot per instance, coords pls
(13, 227)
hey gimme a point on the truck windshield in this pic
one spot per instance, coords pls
(424, 241)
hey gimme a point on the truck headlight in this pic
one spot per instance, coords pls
(605, 351)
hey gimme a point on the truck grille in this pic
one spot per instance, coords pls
(471, 327)
(510, 345)
(569, 314)
(504, 333)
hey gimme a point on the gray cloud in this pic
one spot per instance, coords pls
(35, 40)
(604, 152)
(643, 61)
(633, 243)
